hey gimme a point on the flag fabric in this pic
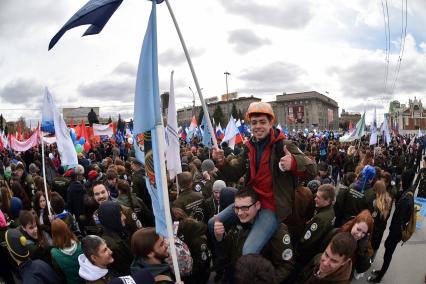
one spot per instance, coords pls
(71, 122)
(356, 133)
(279, 127)
(193, 127)
(173, 148)
(231, 133)
(100, 130)
(147, 117)
(51, 115)
(350, 126)
(84, 133)
(22, 146)
(207, 138)
(385, 131)
(419, 134)
(373, 128)
(219, 132)
(95, 13)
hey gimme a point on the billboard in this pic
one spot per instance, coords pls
(330, 115)
(296, 114)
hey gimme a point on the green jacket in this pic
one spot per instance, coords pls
(279, 249)
(310, 276)
(316, 229)
(350, 202)
(192, 203)
(284, 183)
(67, 261)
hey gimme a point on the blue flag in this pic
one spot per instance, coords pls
(95, 13)
(207, 138)
(147, 115)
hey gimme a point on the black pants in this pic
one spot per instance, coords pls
(390, 244)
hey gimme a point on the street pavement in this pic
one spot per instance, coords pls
(408, 264)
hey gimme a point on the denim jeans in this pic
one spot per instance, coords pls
(264, 227)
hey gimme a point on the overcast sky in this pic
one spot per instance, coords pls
(280, 46)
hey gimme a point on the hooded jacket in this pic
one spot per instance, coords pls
(67, 261)
(92, 273)
(115, 236)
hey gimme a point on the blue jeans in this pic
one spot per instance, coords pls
(264, 227)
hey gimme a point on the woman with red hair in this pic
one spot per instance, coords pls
(361, 228)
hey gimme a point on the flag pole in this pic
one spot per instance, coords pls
(44, 175)
(197, 85)
(159, 129)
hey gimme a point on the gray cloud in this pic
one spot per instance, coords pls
(126, 68)
(21, 91)
(109, 90)
(173, 57)
(293, 14)
(365, 79)
(273, 73)
(22, 16)
(246, 40)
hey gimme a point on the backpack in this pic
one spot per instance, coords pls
(411, 225)
(184, 257)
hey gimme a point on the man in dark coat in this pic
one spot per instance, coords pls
(112, 220)
(139, 184)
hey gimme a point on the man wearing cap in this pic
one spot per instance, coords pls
(31, 271)
(212, 203)
(271, 166)
(208, 171)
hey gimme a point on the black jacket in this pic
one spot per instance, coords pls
(37, 271)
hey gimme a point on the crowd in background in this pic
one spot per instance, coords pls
(330, 208)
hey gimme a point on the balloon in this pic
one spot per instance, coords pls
(81, 141)
(72, 134)
(130, 140)
(78, 148)
(86, 147)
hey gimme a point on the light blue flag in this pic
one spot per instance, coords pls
(147, 115)
(207, 138)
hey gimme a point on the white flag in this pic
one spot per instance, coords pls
(173, 149)
(230, 133)
(100, 130)
(63, 139)
(373, 128)
(385, 131)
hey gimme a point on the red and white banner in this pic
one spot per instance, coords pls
(22, 146)
(100, 129)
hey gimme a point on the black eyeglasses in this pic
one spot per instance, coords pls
(243, 208)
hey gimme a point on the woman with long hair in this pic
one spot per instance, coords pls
(382, 206)
(6, 195)
(65, 252)
(361, 228)
(18, 191)
(41, 209)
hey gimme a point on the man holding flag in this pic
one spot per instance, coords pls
(271, 167)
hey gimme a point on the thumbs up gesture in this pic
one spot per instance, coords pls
(285, 162)
(219, 229)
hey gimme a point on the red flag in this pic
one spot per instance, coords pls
(239, 139)
(350, 125)
(71, 122)
(84, 132)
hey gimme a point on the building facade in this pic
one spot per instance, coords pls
(306, 110)
(407, 118)
(78, 114)
(184, 115)
(347, 117)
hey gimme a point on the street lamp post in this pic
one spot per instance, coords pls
(227, 93)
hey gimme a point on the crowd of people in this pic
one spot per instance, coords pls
(275, 209)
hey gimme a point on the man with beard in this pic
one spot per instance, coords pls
(101, 195)
(150, 251)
